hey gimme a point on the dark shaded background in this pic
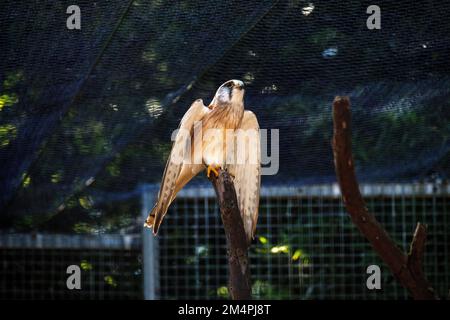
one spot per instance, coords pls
(86, 115)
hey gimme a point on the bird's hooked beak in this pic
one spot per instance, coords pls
(238, 84)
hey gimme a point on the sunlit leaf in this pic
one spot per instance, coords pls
(263, 240)
(85, 265)
(280, 249)
(85, 202)
(110, 281)
(297, 254)
(222, 292)
(8, 132)
(7, 100)
(26, 180)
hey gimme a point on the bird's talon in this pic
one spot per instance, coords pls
(213, 169)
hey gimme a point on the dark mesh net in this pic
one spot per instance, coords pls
(88, 114)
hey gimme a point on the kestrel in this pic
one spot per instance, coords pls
(220, 136)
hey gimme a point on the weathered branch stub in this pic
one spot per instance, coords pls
(408, 269)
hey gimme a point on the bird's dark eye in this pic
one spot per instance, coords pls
(229, 84)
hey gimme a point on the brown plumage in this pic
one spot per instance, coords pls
(210, 146)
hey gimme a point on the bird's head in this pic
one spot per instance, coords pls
(231, 92)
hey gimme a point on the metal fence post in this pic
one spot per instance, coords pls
(150, 259)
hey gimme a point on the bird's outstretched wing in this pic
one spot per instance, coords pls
(177, 173)
(247, 171)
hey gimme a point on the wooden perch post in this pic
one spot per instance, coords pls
(408, 269)
(239, 283)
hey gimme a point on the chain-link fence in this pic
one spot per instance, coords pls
(35, 266)
(306, 248)
(306, 245)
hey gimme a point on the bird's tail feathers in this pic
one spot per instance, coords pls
(155, 217)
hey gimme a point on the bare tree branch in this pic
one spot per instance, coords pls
(407, 269)
(239, 283)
